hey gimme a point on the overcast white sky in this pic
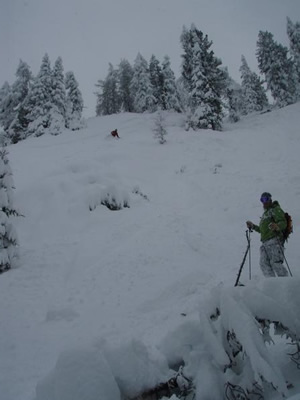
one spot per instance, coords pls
(88, 34)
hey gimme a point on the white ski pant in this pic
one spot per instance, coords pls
(271, 259)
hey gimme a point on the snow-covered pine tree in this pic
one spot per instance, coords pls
(125, 74)
(108, 101)
(74, 102)
(39, 100)
(156, 79)
(159, 129)
(187, 43)
(183, 93)
(3, 138)
(8, 237)
(6, 109)
(293, 32)
(170, 95)
(141, 87)
(57, 120)
(19, 93)
(233, 98)
(278, 68)
(4, 92)
(207, 84)
(255, 98)
(13, 104)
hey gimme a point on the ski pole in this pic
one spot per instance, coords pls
(248, 238)
(284, 257)
(243, 262)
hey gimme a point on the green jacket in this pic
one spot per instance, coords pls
(271, 214)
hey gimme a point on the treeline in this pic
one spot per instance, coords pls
(47, 103)
(204, 91)
(143, 87)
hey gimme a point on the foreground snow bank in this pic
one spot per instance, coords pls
(232, 348)
(79, 374)
(100, 372)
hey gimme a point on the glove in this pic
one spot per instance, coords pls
(250, 224)
(274, 227)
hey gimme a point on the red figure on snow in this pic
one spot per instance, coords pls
(115, 133)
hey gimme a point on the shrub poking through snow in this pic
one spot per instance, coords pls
(8, 236)
(159, 130)
(178, 385)
(113, 199)
(110, 197)
(113, 203)
(136, 190)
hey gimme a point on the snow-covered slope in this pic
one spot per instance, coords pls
(92, 278)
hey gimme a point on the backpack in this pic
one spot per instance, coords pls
(289, 223)
(289, 227)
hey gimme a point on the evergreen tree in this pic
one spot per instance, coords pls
(156, 79)
(255, 98)
(8, 236)
(170, 95)
(207, 83)
(6, 108)
(183, 93)
(20, 90)
(39, 100)
(108, 100)
(293, 31)
(125, 74)
(233, 98)
(14, 111)
(278, 68)
(141, 88)
(57, 121)
(187, 43)
(74, 102)
(4, 92)
(18, 128)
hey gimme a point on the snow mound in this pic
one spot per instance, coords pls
(227, 347)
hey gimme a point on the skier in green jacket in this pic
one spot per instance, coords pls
(271, 226)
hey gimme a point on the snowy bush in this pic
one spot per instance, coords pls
(111, 197)
(159, 129)
(112, 200)
(217, 167)
(234, 356)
